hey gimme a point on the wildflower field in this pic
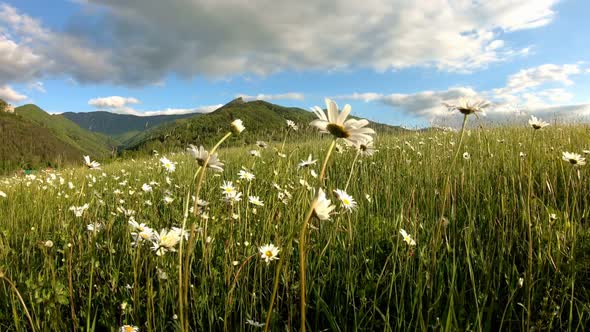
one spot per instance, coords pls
(480, 229)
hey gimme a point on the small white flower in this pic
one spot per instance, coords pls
(537, 123)
(256, 201)
(237, 126)
(292, 125)
(407, 238)
(145, 187)
(269, 253)
(48, 243)
(168, 199)
(245, 175)
(323, 206)
(347, 201)
(91, 164)
(128, 328)
(254, 323)
(573, 158)
(3, 194)
(307, 162)
(79, 210)
(167, 164)
(466, 155)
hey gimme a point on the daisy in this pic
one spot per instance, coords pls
(94, 227)
(91, 164)
(129, 328)
(255, 200)
(537, 123)
(366, 149)
(145, 187)
(574, 158)
(336, 124)
(407, 238)
(323, 207)
(347, 201)
(233, 197)
(3, 194)
(466, 107)
(292, 125)
(237, 126)
(165, 241)
(168, 199)
(245, 175)
(254, 323)
(200, 155)
(308, 162)
(255, 153)
(79, 210)
(466, 155)
(228, 188)
(269, 253)
(168, 165)
(261, 144)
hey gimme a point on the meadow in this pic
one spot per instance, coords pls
(484, 229)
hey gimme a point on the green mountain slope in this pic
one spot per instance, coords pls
(263, 121)
(119, 126)
(25, 144)
(94, 144)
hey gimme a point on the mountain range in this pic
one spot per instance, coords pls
(33, 138)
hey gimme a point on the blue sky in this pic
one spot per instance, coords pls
(393, 61)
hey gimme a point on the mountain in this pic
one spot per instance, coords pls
(94, 144)
(119, 126)
(263, 121)
(26, 144)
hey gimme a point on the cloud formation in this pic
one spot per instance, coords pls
(280, 96)
(10, 95)
(122, 105)
(138, 42)
(524, 94)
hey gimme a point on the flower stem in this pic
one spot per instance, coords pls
(302, 237)
(352, 170)
(448, 177)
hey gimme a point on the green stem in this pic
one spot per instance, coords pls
(352, 169)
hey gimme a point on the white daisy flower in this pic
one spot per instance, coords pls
(347, 201)
(269, 253)
(574, 158)
(255, 200)
(237, 126)
(91, 164)
(407, 238)
(336, 124)
(323, 207)
(168, 165)
(537, 123)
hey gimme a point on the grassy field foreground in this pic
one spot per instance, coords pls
(497, 239)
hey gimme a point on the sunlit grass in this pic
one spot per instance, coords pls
(508, 249)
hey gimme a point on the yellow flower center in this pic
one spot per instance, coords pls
(345, 201)
(337, 130)
(268, 253)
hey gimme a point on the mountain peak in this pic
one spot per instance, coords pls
(237, 101)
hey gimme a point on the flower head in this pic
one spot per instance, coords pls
(573, 158)
(292, 125)
(255, 200)
(165, 241)
(261, 144)
(308, 162)
(237, 126)
(365, 148)
(323, 206)
(129, 328)
(345, 199)
(168, 165)
(200, 155)
(407, 238)
(537, 123)
(269, 253)
(336, 124)
(79, 210)
(91, 164)
(466, 107)
(245, 175)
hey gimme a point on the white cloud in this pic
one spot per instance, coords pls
(548, 73)
(112, 102)
(38, 86)
(522, 95)
(166, 111)
(280, 96)
(10, 95)
(131, 43)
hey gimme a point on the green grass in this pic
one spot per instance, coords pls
(474, 225)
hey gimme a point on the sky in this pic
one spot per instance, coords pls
(393, 61)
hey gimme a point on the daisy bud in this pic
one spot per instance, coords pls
(237, 127)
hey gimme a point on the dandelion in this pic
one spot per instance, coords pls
(200, 155)
(347, 201)
(308, 162)
(537, 123)
(336, 124)
(407, 238)
(466, 107)
(573, 158)
(237, 126)
(91, 164)
(245, 175)
(269, 253)
(129, 328)
(466, 155)
(323, 207)
(168, 165)
(255, 200)
(292, 125)
(79, 210)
